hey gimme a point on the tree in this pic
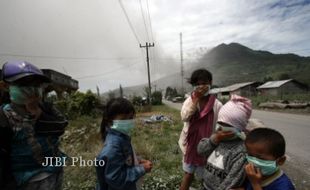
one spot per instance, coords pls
(157, 97)
(78, 104)
(137, 101)
(121, 91)
(168, 92)
(171, 92)
(87, 103)
(146, 92)
(111, 95)
(267, 78)
(284, 76)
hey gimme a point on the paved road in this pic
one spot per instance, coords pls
(296, 130)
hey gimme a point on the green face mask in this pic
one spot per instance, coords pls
(20, 94)
(123, 126)
(236, 131)
(267, 167)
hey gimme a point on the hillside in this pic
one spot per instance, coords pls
(237, 63)
(234, 63)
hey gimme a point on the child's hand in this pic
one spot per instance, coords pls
(221, 135)
(254, 175)
(142, 161)
(200, 91)
(32, 106)
(147, 165)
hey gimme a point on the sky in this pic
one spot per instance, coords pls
(97, 41)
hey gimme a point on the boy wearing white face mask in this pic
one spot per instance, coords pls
(122, 170)
(266, 149)
(225, 150)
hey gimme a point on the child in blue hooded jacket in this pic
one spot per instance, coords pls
(121, 170)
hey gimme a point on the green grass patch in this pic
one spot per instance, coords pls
(157, 142)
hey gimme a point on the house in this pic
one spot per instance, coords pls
(281, 87)
(60, 82)
(245, 89)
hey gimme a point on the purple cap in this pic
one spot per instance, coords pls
(15, 70)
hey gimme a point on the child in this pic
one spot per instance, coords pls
(266, 149)
(225, 150)
(199, 113)
(120, 170)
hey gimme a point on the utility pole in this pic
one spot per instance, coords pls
(147, 45)
(182, 69)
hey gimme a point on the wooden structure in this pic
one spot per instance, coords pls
(245, 89)
(282, 87)
(60, 83)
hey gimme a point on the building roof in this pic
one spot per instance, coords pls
(274, 84)
(231, 87)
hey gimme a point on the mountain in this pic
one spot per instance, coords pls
(234, 63)
(237, 63)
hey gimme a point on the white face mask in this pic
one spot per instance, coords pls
(209, 88)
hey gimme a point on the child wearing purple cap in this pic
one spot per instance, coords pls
(30, 130)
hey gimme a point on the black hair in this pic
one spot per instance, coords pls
(200, 75)
(114, 107)
(274, 140)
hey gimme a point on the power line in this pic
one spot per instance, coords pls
(68, 58)
(128, 20)
(150, 21)
(142, 13)
(108, 72)
(153, 53)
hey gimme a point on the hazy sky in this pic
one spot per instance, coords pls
(92, 41)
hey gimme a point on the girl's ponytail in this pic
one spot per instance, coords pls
(104, 123)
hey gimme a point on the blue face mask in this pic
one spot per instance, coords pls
(123, 126)
(20, 94)
(267, 167)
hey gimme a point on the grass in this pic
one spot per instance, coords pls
(156, 142)
(81, 139)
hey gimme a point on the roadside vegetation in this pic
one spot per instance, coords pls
(154, 141)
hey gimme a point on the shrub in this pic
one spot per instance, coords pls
(78, 104)
(157, 98)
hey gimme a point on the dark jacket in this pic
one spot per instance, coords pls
(25, 142)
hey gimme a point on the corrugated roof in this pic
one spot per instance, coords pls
(237, 86)
(274, 84)
(230, 88)
(215, 90)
